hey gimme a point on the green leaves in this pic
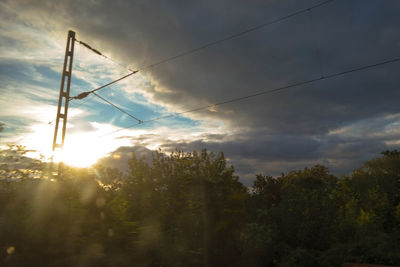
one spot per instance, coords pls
(189, 209)
(195, 200)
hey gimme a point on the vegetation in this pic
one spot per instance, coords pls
(189, 209)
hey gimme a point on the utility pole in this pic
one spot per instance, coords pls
(63, 100)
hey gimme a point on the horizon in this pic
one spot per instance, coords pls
(339, 122)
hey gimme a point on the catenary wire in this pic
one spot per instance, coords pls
(103, 55)
(315, 43)
(77, 106)
(85, 94)
(202, 47)
(233, 36)
(115, 106)
(330, 76)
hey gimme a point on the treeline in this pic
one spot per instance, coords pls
(189, 209)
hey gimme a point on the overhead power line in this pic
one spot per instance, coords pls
(199, 48)
(111, 104)
(120, 109)
(236, 35)
(101, 54)
(85, 94)
(330, 76)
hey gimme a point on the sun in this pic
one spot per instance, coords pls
(80, 149)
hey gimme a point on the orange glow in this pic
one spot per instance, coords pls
(80, 149)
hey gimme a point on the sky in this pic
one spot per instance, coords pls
(338, 122)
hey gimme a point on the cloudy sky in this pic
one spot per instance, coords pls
(338, 122)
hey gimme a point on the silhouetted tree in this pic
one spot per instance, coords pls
(189, 209)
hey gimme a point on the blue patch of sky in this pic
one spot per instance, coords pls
(135, 104)
(177, 121)
(13, 125)
(79, 85)
(15, 70)
(51, 78)
(23, 74)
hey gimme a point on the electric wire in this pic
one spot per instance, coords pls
(77, 106)
(85, 94)
(103, 55)
(199, 48)
(316, 46)
(236, 35)
(99, 53)
(115, 106)
(330, 76)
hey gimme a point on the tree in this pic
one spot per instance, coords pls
(292, 221)
(189, 209)
(14, 164)
(193, 204)
(368, 222)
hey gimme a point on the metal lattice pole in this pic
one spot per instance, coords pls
(62, 110)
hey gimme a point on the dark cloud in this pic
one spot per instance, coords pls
(291, 127)
(335, 37)
(120, 157)
(256, 152)
(256, 146)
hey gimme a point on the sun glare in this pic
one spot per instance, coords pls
(80, 149)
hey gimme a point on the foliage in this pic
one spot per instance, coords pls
(312, 218)
(14, 164)
(193, 204)
(189, 209)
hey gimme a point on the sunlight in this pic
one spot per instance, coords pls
(84, 149)
(81, 149)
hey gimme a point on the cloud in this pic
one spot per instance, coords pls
(340, 121)
(120, 157)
